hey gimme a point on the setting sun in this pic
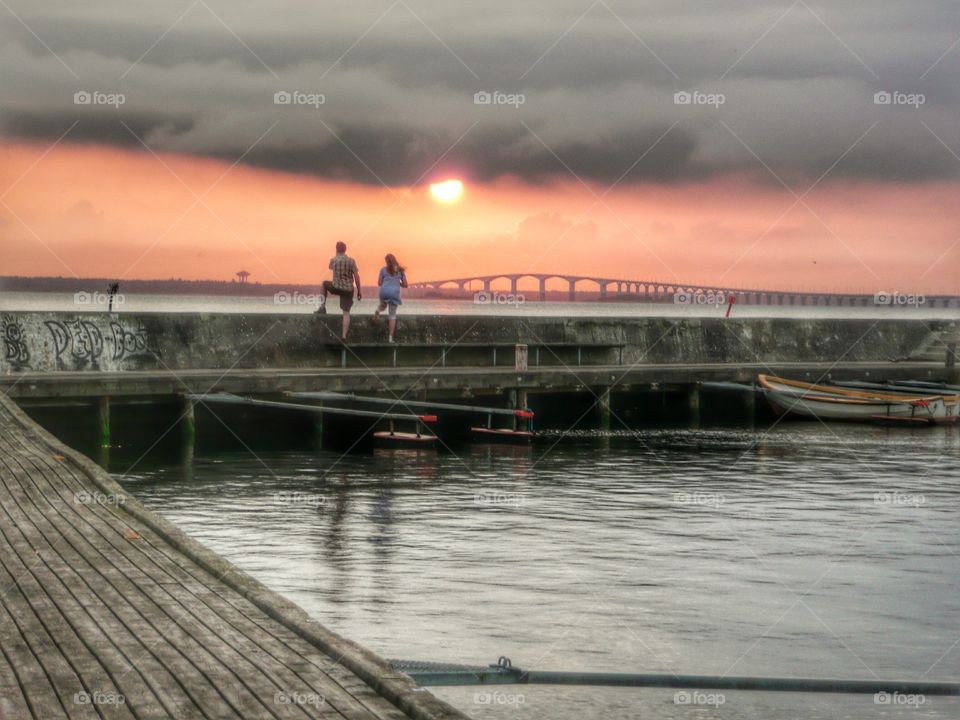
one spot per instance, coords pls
(447, 191)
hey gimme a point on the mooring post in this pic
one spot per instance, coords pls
(188, 422)
(103, 430)
(750, 406)
(318, 429)
(953, 374)
(693, 404)
(522, 401)
(103, 420)
(603, 405)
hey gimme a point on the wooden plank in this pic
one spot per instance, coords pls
(92, 612)
(13, 703)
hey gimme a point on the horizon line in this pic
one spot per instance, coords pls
(423, 284)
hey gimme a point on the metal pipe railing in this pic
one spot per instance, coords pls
(350, 397)
(227, 398)
(504, 673)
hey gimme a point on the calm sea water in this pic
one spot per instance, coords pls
(809, 550)
(501, 305)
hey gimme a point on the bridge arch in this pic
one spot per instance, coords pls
(442, 283)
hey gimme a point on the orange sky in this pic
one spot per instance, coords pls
(93, 211)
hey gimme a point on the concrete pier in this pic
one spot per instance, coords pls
(61, 355)
(61, 341)
(107, 610)
(585, 365)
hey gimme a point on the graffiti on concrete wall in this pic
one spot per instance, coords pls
(129, 344)
(63, 342)
(15, 349)
(78, 339)
(85, 341)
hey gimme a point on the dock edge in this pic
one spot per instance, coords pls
(397, 687)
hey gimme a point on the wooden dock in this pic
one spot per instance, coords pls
(107, 610)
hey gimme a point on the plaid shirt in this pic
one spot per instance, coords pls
(343, 267)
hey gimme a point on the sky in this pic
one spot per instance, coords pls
(782, 145)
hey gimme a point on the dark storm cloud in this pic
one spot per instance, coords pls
(98, 127)
(398, 79)
(398, 155)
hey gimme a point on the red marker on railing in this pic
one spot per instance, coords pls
(731, 299)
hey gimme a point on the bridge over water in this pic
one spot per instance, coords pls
(693, 294)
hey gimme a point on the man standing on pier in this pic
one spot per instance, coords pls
(345, 275)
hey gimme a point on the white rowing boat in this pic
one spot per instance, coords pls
(829, 402)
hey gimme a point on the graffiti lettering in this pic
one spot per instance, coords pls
(82, 340)
(126, 343)
(15, 349)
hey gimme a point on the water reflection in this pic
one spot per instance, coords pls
(808, 550)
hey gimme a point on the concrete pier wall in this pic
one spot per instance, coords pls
(52, 341)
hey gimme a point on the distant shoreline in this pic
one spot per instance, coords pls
(17, 283)
(234, 288)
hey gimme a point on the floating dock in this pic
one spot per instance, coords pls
(107, 610)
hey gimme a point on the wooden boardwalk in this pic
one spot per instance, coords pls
(107, 610)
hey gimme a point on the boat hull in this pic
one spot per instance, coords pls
(828, 402)
(786, 404)
(388, 439)
(501, 435)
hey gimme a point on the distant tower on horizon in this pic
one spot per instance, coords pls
(242, 276)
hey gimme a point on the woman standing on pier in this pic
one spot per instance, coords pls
(393, 276)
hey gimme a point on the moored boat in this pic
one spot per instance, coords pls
(830, 402)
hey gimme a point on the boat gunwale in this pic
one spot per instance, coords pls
(769, 382)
